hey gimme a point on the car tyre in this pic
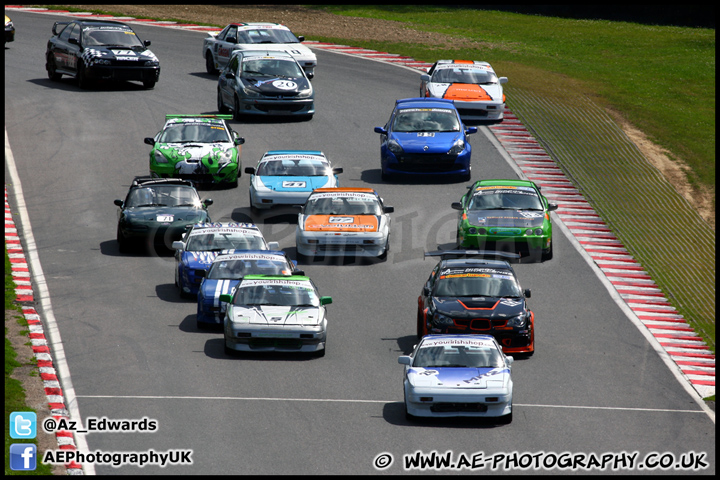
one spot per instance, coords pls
(548, 254)
(210, 64)
(228, 351)
(220, 105)
(383, 257)
(82, 80)
(148, 84)
(52, 70)
(505, 419)
(236, 109)
(421, 328)
(123, 243)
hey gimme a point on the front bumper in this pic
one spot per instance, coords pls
(272, 107)
(425, 163)
(228, 173)
(514, 243)
(269, 198)
(482, 111)
(340, 244)
(460, 402)
(511, 339)
(115, 73)
(269, 338)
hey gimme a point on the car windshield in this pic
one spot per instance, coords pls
(473, 356)
(267, 35)
(234, 269)
(163, 196)
(320, 205)
(426, 120)
(206, 242)
(477, 285)
(464, 75)
(115, 37)
(283, 295)
(505, 199)
(271, 67)
(291, 167)
(194, 133)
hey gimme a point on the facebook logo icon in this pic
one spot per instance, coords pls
(23, 425)
(23, 456)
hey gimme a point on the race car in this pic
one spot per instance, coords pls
(99, 49)
(425, 136)
(225, 273)
(472, 85)
(218, 48)
(275, 313)
(508, 215)
(158, 212)
(201, 148)
(265, 83)
(287, 177)
(203, 242)
(343, 221)
(458, 376)
(467, 293)
(9, 30)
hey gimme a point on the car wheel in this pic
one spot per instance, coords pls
(548, 254)
(253, 208)
(236, 109)
(210, 64)
(200, 325)
(149, 83)
(408, 416)
(421, 327)
(384, 255)
(82, 79)
(52, 70)
(228, 351)
(221, 105)
(505, 419)
(123, 243)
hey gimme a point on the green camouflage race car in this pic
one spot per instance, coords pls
(506, 215)
(201, 148)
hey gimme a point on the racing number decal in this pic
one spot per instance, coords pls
(284, 84)
(289, 184)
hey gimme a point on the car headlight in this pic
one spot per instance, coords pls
(307, 93)
(517, 321)
(457, 147)
(240, 320)
(159, 157)
(152, 63)
(225, 156)
(441, 320)
(250, 92)
(394, 147)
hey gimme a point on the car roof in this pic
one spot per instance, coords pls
(246, 253)
(475, 262)
(203, 226)
(258, 24)
(293, 152)
(457, 337)
(282, 278)
(477, 63)
(170, 118)
(423, 102)
(346, 189)
(504, 182)
(265, 53)
(150, 182)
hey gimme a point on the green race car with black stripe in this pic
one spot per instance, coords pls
(201, 148)
(506, 215)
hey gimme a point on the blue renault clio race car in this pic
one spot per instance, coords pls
(225, 273)
(425, 136)
(199, 247)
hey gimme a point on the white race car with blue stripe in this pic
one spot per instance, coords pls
(287, 177)
(226, 272)
(458, 376)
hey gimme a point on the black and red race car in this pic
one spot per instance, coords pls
(469, 293)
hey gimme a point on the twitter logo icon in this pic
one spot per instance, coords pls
(23, 425)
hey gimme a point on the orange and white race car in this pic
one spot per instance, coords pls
(343, 221)
(473, 86)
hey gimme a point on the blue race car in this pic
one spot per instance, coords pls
(226, 272)
(287, 177)
(199, 247)
(425, 136)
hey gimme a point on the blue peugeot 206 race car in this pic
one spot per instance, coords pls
(425, 136)
(226, 272)
(199, 247)
(288, 177)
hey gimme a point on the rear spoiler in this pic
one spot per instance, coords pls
(445, 254)
(56, 25)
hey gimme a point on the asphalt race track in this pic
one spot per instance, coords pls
(594, 384)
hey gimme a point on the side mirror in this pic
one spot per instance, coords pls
(239, 140)
(229, 75)
(208, 202)
(405, 360)
(380, 130)
(503, 80)
(178, 245)
(426, 291)
(325, 300)
(250, 170)
(509, 360)
(118, 202)
(226, 297)
(147, 43)
(388, 209)
(74, 41)
(231, 39)
(425, 78)
(273, 246)
(527, 293)
(456, 206)
(200, 273)
(470, 130)
(149, 140)
(337, 170)
(300, 38)
(310, 75)
(552, 207)
(298, 272)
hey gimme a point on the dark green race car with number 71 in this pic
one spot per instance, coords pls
(506, 215)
